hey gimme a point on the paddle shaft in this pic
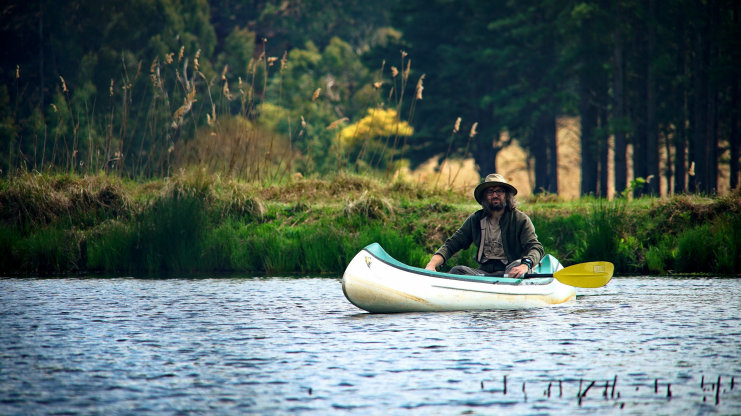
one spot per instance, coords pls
(527, 276)
(589, 275)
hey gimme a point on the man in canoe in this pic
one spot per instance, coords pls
(504, 235)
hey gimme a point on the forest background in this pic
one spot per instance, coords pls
(261, 90)
(158, 136)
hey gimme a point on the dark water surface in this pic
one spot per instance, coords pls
(296, 346)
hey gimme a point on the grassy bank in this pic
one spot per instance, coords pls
(197, 222)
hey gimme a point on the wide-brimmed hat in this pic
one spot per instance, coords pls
(492, 179)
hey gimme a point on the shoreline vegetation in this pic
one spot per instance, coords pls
(195, 222)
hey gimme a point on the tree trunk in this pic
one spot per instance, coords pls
(711, 144)
(680, 157)
(551, 129)
(603, 149)
(638, 103)
(41, 57)
(680, 98)
(544, 138)
(735, 115)
(589, 152)
(735, 131)
(668, 170)
(652, 131)
(699, 108)
(485, 156)
(620, 165)
(639, 136)
(540, 155)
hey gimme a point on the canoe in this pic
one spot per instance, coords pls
(376, 282)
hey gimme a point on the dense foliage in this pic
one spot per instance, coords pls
(261, 89)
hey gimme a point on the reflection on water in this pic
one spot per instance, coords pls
(291, 346)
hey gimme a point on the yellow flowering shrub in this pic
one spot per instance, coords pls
(378, 122)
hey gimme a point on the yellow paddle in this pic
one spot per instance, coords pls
(590, 274)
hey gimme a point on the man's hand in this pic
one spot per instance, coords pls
(435, 262)
(518, 271)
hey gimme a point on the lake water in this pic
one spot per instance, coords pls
(296, 346)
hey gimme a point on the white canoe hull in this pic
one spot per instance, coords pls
(375, 282)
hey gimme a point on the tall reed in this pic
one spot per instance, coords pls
(600, 237)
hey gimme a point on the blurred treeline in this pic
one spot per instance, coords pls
(261, 90)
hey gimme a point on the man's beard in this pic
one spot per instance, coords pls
(491, 207)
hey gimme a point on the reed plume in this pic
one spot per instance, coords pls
(420, 87)
(138, 70)
(153, 71)
(303, 127)
(336, 123)
(473, 130)
(284, 61)
(184, 109)
(227, 93)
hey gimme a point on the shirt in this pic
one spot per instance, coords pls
(493, 249)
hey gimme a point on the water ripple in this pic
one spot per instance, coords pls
(296, 346)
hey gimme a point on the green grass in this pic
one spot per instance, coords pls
(194, 222)
(166, 237)
(111, 249)
(49, 250)
(714, 246)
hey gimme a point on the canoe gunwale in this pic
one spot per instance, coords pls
(373, 249)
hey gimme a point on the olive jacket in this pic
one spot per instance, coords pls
(518, 237)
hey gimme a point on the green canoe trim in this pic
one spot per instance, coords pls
(545, 266)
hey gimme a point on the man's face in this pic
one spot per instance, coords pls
(495, 198)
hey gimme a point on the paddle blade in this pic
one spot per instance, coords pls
(591, 274)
